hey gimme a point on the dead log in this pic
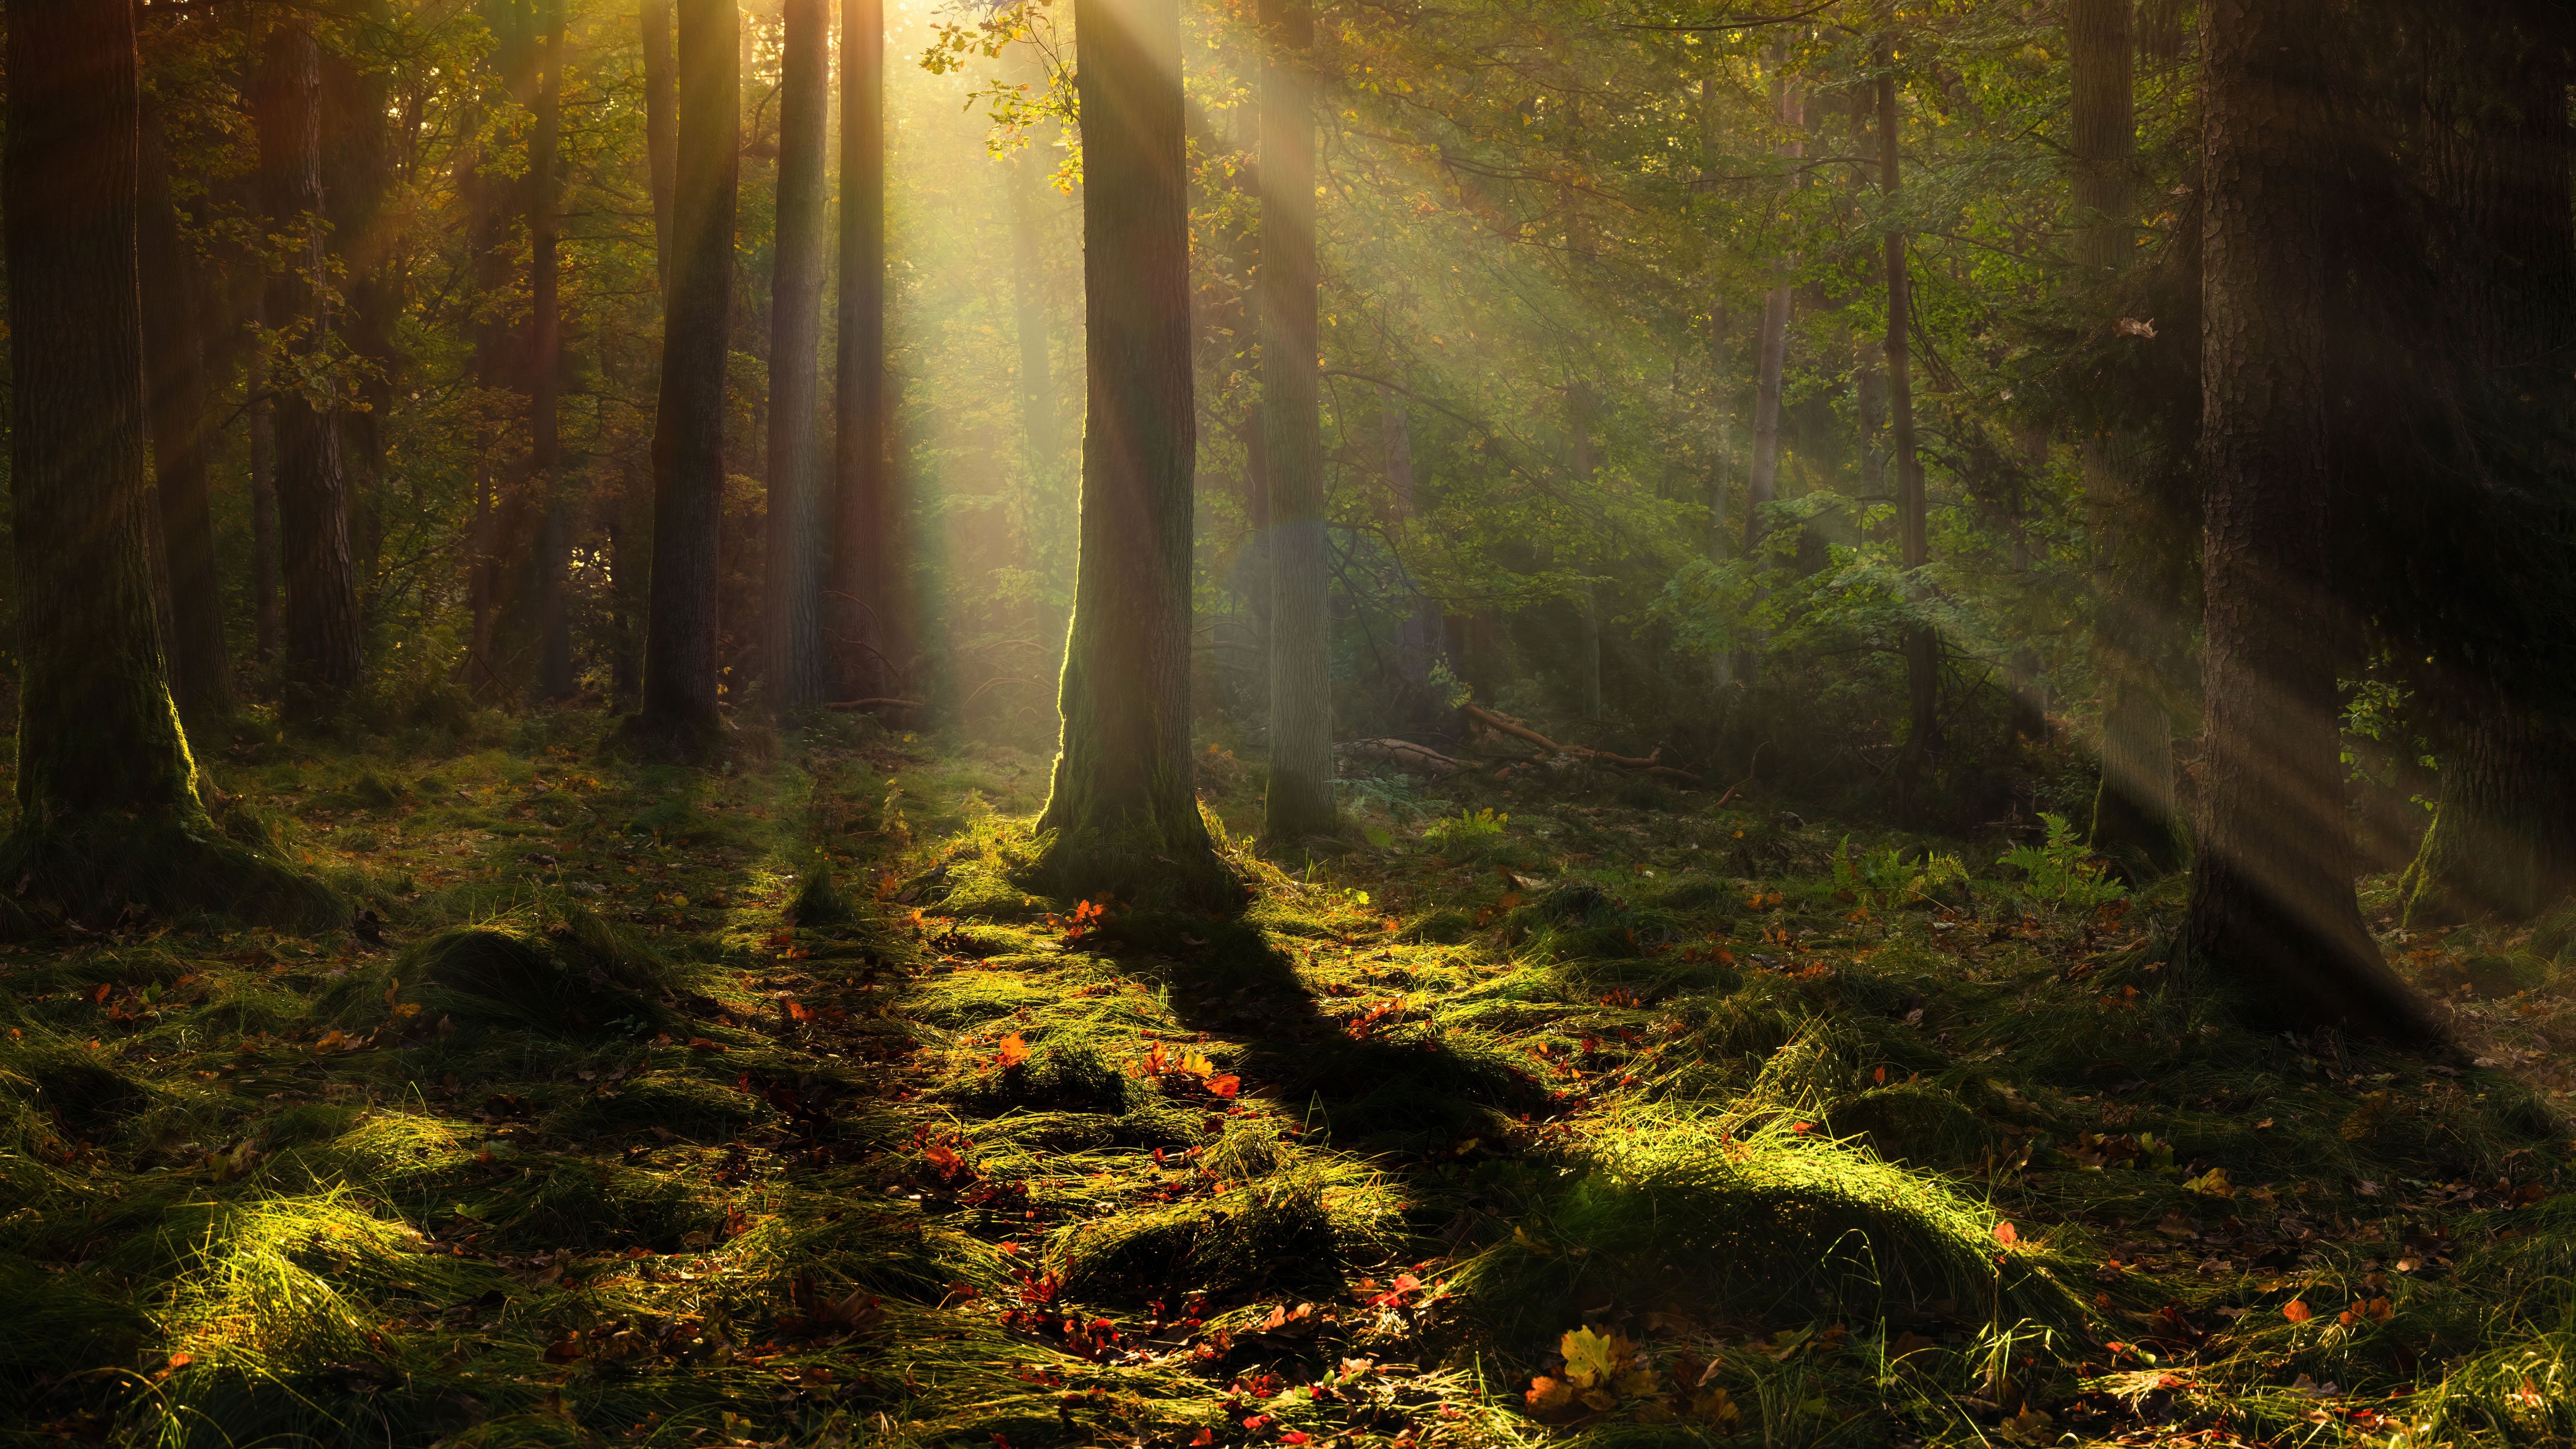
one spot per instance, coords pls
(1651, 764)
(1403, 755)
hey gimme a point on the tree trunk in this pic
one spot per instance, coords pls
(1419, 639)
(322, 635)
(1300, 797)
(861, 483)
(1121, 812)
(356, 172)
(1789, 108)
(795, 637)
(679, 719)
(545, 372)
(174, 354)
(109, 805)
(2272, 907)
(264, 582)
(1922, 647)
(2503, 840)
(2133, 809)
(661, 129)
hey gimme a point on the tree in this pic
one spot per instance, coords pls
(1771, 345)
(679, 718)
(1299, 800)
(661, 127)
(1121, 813)
(2272, 906)
(795, 575)
(110, 810)
(545, 370)
(1922, 647)
(861, 482)
(2497, 146)
(174, 355)
(2133, 810)
(322, 636)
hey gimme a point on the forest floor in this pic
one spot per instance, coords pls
(759, 1106)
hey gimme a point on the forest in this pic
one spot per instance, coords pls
(1289, 724)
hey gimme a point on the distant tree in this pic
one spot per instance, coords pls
(110, 810)
(661, 127)
(545, 368)
(861, 481)
(322, 629)
(1299, 801)
(2272, 906)
(1123, 815)
(175, 368)
(679, 718)
(795, 570)
(1922, 647)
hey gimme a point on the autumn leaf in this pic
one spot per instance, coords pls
(2007, 1234)
(1014, 1051)
(2212, 1183)
(2297, 1311)
(1224, 1086)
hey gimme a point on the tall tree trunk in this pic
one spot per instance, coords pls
(661, 129)
(795, 636)
(2272, 907)
(2133, 809)
(679, 718)
(109, 806)
(1300, 797)
(174, 355)
(1789, 109)
(322, 636)
(545, 372)
(265, 586)
(862, 486)
(1122, 813)
(356, 173)
(1922, 646)
(2503, 839)
(1419, 639)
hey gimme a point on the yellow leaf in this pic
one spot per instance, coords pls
(2212, 1183)
(1594, 1360)
(1716, 1408)
(1522, 1237)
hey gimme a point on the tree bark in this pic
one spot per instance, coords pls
(1299, 801)
(2272, 907)
(661, 129)
(1122, 815)
(322, 634)
(175, 388)
(679, 719)
(861, 481)
(795, 575)
(109, 805)
(555, 679)
(1922, 647)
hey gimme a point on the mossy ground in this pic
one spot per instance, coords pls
(619, 1125)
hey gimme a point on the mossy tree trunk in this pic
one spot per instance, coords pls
(679, 719)
(795, 541)
(1122, 812)
(862, 483)
(174, 351)
(1299, 800)
(109, 810)
(2272, 908)
(322, 636)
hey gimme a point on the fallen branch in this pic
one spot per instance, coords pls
(1404, 755)
(1651, 764)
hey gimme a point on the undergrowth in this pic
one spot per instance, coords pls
(770, 1105)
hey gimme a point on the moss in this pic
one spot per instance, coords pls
(1914, 1122)
(673, 1101)
(818, 902)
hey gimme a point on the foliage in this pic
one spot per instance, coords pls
(2061, 871)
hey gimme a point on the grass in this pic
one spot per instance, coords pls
(769, 1105)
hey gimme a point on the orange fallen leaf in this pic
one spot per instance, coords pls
(1014, 1051)
(2297, 1311)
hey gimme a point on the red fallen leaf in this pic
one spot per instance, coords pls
(1014, 1051)
(799, 1011)
(563, 1350)
(1256, 1421)
(2297, 1311)
(1292, 1437)
(1224, 1085)
(701, 1044)
(2006, 1234)
(181, 1360)
(1205, 1437)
